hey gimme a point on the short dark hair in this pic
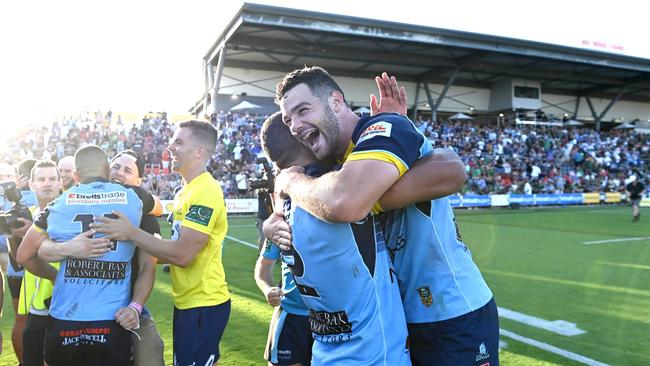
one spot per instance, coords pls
(139, 162)
(278, 142)
(203, 132)
(44, 164)
(90, 161)
(25, 167)
(319, 81)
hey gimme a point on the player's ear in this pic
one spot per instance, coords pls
(199, 151)
(336, 101)
(75, 176)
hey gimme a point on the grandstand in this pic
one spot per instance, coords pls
(444, 71)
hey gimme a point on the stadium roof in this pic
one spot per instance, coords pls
(281, 39)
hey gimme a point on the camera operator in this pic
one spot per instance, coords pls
(264, 205)
(7, 173)
(14, 271)
(36, 292)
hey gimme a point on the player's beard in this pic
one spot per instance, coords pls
(330, 131)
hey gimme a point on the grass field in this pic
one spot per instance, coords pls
(535, 262)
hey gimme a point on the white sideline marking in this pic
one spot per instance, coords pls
(503, 344)
(615, 240)
(241, 242)
(547, 347)
(561, 327)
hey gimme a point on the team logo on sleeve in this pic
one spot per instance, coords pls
(199, 214)
(425, 296)
(376, 129)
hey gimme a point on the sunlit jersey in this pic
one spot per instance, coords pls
(91, 289)
(437, 278)
(200, 206)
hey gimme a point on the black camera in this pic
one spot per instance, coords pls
(9, 219)
(265, 187)
(267, 181)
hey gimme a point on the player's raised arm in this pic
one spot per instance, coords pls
(392, 97)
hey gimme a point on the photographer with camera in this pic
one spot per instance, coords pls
(14, 222)
(264, 187)
(35, 293)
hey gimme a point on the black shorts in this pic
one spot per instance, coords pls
(470, 339)
(289, 340)
(14, 286)
(94, 343)
(34, 338)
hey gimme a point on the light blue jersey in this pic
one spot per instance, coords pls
(291, 300)
(91, 289)
(343, 274)
(437, 278)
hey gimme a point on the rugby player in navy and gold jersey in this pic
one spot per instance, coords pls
(450, 310)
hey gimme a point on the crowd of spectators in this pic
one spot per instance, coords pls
(531, 159)
(523, 159)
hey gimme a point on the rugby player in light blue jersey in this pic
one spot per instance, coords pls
(433, 265)
(343, 273)
(92, 302)
(285, 150)
(289, 341)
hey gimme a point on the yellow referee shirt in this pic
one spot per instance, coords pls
(200, 206)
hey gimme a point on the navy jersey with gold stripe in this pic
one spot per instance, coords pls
(388, 137)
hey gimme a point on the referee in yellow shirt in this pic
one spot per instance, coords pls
(201, 298)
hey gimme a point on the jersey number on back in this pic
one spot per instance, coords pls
(87, 219)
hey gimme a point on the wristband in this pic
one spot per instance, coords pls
(136, 306)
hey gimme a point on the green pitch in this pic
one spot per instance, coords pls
(536, 263)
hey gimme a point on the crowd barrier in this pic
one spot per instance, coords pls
(244, 206)
(236, 206)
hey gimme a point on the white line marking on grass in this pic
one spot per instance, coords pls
(561, 327)
(503, 344)
(547, 347)
(615, 240)
(241, 242)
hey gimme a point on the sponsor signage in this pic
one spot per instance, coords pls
(612, 197)
(248, 205)
(591, 198)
